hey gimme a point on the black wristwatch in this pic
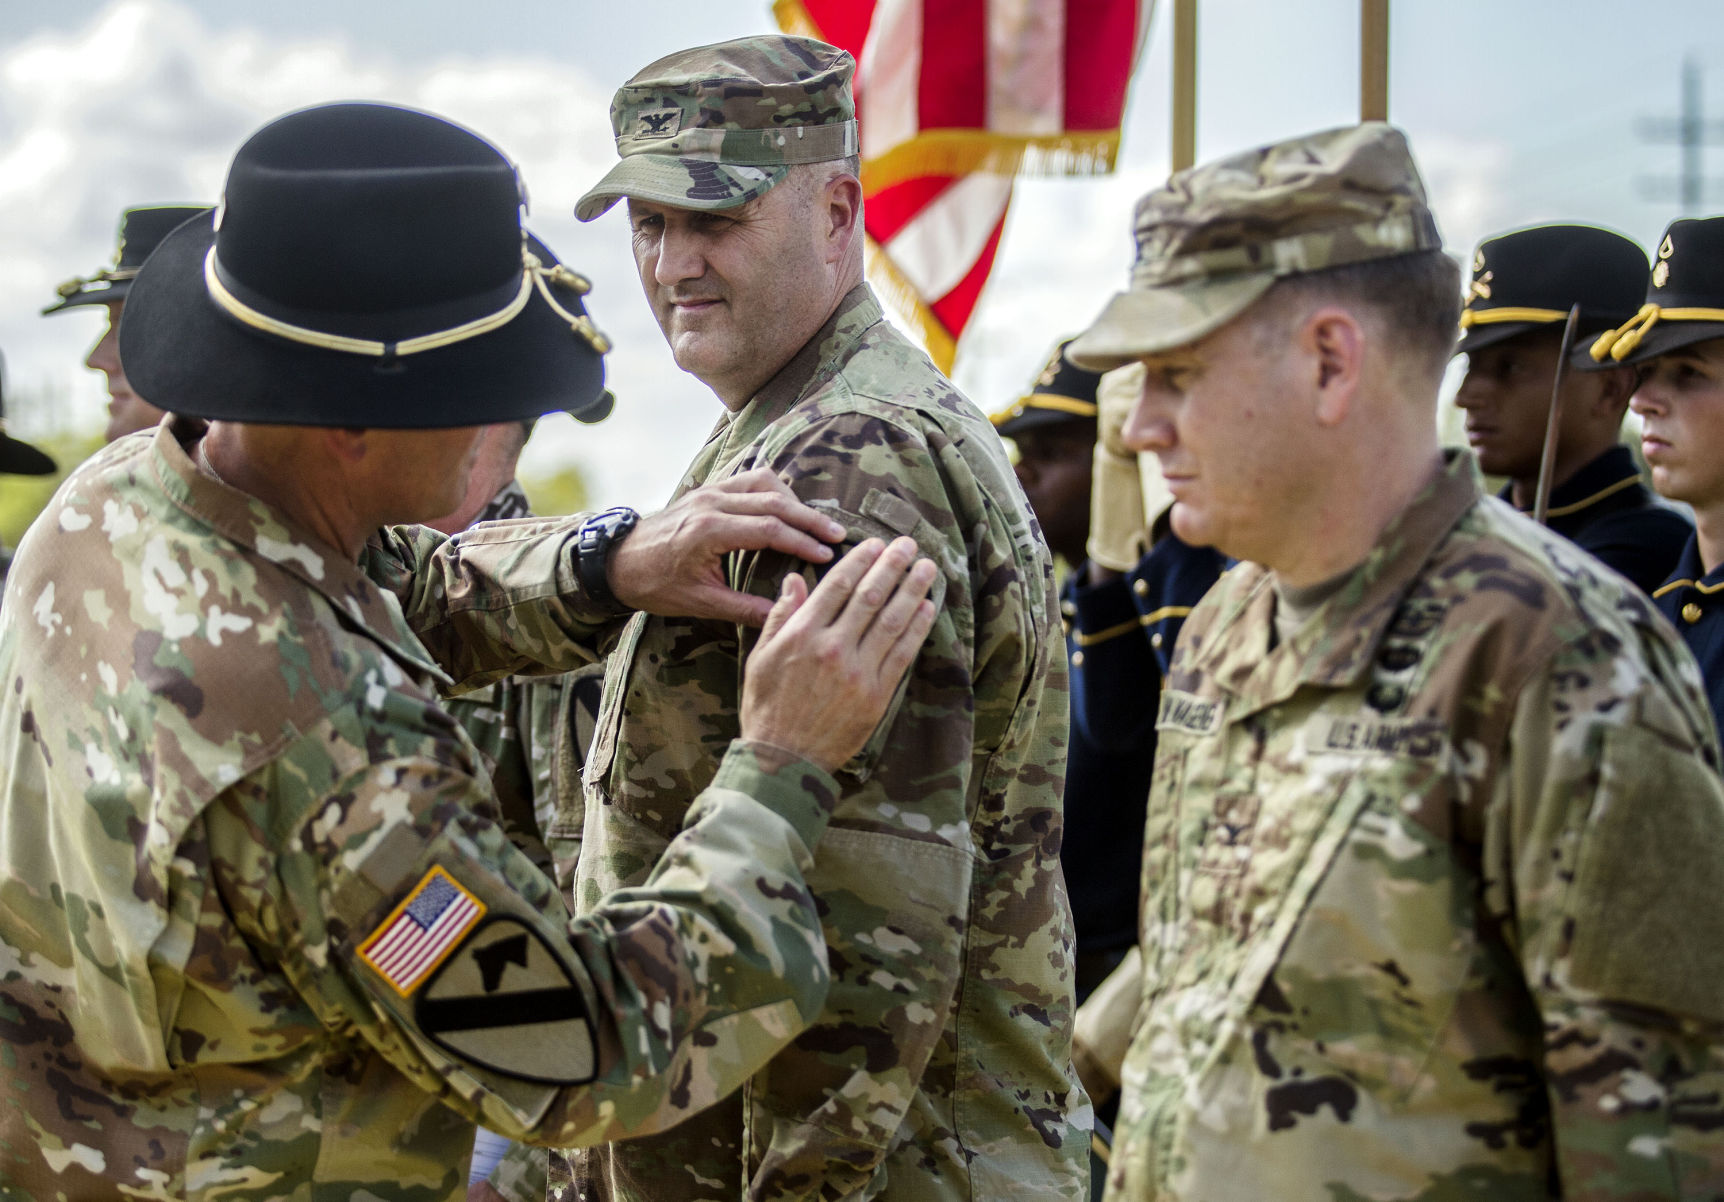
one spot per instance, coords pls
(593, 543)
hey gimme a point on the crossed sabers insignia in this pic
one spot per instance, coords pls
(1481, 287)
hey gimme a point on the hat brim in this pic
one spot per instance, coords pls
(1668, 336)
(113, 293)
(18, 458)
(184, 354)
(1040, 419)
(681, 183)
(1152, 320)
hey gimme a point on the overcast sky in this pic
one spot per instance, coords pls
(1520, 111)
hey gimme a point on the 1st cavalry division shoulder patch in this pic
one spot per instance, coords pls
(421, 931)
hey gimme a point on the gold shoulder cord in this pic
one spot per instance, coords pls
(534, 274)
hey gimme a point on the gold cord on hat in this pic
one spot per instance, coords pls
(1620, 343)
(534, 274)
(108, 275)
(1484, 317)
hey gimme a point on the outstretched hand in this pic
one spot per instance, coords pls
(828, 662)
(672, 563)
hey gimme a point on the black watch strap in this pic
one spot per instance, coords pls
(593, 543)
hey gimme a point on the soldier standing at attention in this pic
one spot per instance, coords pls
(1677, 343)
(1523, 286)
(940, 1066)
(141, 231)
(1430, 876)
(261, 935)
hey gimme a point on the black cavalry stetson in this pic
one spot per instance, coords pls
(1064, 392)
(141, 231)
(367, 267)
(1529, 279)
(19, 458)
(1685, 303)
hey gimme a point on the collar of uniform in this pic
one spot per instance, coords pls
(1335, 648)
(1689, 582)
(249, 523)
(1609, 475)
(820, 358)
(510, 502)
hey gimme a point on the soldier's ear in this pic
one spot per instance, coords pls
(1334, 354)
(842, 206)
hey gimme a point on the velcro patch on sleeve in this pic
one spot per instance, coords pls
(421, 932)
(506, 1001)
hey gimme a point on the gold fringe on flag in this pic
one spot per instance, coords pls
(963, 151)
(793, 18)
(901, 295)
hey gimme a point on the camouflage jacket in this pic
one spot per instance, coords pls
(512, 723)
(940, 1068)
(261, 935)
(1430, 889)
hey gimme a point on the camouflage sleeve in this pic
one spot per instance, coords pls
(894, 875)
(1101, 1033)
(363, 861)
(492, 601)
(523, 1175)
(1611, 836)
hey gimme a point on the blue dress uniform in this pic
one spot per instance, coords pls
(1684, 306)
(1693, 600)
(1119, 637)
(1607, 510)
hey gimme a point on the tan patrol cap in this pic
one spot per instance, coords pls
(716, 126)
(1217, 236)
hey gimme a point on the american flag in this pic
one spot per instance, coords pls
(422, 931)
(956, 97)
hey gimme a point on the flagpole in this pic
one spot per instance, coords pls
(1185, 83)
(1373, 60)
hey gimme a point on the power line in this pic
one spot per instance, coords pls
(1692, 132)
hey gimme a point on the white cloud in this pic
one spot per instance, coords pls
(147, 103)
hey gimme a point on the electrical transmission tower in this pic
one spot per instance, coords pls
(1692, 132)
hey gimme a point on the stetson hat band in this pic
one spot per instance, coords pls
(1485, 317)
(1397, 233)
(534, 275)
(776, 147)
(1620, 343)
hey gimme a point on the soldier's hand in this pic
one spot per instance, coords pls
(672, 563)
(1117, 521)
(828, 662)
(481, 1191)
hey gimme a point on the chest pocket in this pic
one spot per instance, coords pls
(1379, 947)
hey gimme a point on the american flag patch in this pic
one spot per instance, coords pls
(422, 931)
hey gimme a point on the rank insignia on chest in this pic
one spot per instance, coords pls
(422, 931)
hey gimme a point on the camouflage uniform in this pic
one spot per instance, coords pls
(1430, 901)
(1430, 904)
(512, 723)
(226, 775)
(940, 1067)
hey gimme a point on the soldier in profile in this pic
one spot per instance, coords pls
(264, 935)
(1676, 342)
(1523, 285)
(141, 231)
(1430, 893)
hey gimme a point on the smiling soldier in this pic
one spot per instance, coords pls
(940, 1067)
